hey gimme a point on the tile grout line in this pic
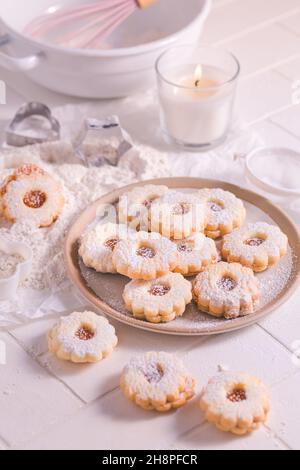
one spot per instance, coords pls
(271, 68)
(276, 124)
(35, 358)
(287, 28)
(274, 337)
(284, 128)
(275, 436)
(272, 21)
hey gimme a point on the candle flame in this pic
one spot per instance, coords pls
(198, 74)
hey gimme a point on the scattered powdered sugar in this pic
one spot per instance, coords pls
(81, 186)
(8, 264)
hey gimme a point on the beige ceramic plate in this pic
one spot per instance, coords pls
(104, 291)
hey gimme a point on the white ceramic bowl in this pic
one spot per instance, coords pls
(104, 73)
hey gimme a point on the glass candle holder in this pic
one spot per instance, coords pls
(196, 88)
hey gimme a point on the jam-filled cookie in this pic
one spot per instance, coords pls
(82, 337)
(195, 254)
(225, 211)
(226, 290)
(148, 256)
(31, 193)
(157, 381)
(98, 243)
(235, 402)
(159, 300)
(256, 245)
(178, 215)
(134, 205)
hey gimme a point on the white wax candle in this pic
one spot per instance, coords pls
(198, 110)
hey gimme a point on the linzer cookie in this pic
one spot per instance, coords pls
(195, 254)
(178, 215)
(257, 245)
(235, 402)
(225, 211)
(159, 300)
(226, 290)
(157, 381)
(30, 193)
(98, 243)
(134, 205)
(82, 337)
(148, 256)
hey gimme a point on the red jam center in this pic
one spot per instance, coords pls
(111, 244)
(159, 290)
(146, 252)
(227, 283)
(185, 247)
(84, 333)
(237, 395)
(35, 199)
(215, 206)
(148, 202)
(255, 241)
(181, 208)
(154, 373)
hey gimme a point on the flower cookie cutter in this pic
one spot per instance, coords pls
(34, 130)
(105, 127)
(9, 285)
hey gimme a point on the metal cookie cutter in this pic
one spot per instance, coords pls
(33, 133)
(9, 285)
(102, 128)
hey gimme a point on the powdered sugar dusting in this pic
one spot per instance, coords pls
(81, 187)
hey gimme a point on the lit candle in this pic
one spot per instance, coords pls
(196, 100)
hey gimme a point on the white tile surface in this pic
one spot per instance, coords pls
(274, 136)
(284, 325)
(284, 419)
(266, 47)
(292, 23)
(239, 16)
(251, 350)
(289, 119)
(91, 381)
(2, 445)
(115, 423)
(207, 437)
(290, 69)
(30, 399)
(271, 92)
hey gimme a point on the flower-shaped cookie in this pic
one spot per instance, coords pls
(134, 205)
(82, 337)
(235, 402)
(225, 211)
(148, 256)
(32, 194)
(178, 215)
(226, 289)
(257, 245)
(159, 300)
(195, 254)
(98, 243)
(157, 381)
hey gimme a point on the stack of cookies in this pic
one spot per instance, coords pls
(164, 236)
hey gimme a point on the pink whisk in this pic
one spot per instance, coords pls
(101, 19)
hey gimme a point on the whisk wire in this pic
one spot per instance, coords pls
(104, 22)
